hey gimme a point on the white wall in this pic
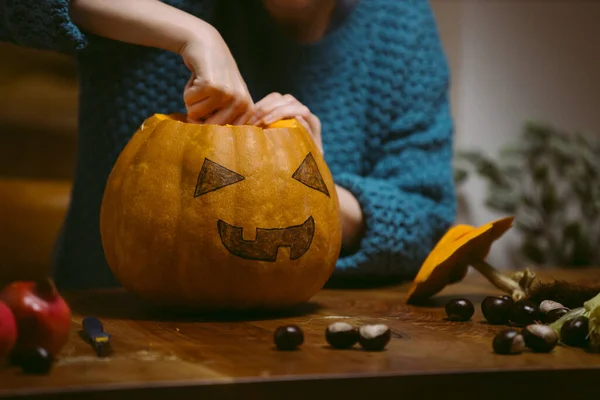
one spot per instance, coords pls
(513, 61)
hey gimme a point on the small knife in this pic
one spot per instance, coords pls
(99, 339)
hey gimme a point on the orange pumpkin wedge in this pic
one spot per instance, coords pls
(463, 246)
(440, 268)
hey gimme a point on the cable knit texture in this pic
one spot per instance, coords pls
(379, 84)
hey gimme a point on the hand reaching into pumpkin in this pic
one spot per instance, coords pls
(216, 92)
(276, 106)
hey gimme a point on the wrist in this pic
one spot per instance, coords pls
(197, 34)
(149, 23)
(353, 225)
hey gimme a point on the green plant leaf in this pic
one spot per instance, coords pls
(485, 167)
(582, 253)
(528, 201)
(529, 229)
(502, 205)
(549, 199)
(572, 231)
(544, 176)
(460, 175)
(540, 173)
(533, 251)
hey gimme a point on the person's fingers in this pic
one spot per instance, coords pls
(304, 123)
(262, 106)
(204, 108)
(245, 117)
(268, 104)
(195, 91)
(228, 114)
(313, 130)
(315, 124)
(286, 111)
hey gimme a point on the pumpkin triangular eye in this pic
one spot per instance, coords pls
(308, 174)
(213, 176)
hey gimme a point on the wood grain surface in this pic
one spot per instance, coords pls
(158, 355)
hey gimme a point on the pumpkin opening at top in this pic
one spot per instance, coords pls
(215, 217)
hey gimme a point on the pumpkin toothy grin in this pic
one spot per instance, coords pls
(268, 241)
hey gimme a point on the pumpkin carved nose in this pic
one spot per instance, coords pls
(268, 241)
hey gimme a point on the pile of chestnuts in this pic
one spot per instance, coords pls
(339, 335)
(533, 319)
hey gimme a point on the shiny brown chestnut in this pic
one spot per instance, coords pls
(459, 309)
(37, 362)
(554, 315)
(288, 337)
(341, 335)
(374, 337)
(548, 305)
(539, 338)
(523, 313)
(574, 332)
(509, 341)
(496, 309)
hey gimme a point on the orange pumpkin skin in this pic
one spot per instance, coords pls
(213, 217)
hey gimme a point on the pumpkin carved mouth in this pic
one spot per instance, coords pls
(268, 241)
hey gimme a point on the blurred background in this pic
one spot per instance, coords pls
(513, 63)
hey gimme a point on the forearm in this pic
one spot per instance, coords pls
(142, 22)
(352, 220)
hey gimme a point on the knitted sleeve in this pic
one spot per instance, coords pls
(407, 195)
(41, 24)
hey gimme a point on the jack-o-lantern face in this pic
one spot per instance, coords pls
(212, 217)
(268, 240)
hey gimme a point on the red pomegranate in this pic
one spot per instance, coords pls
(42, 315)
(8, 332)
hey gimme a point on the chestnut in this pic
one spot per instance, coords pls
(459, 310)
(341, 335)
(523, 313)
(539, 338)
(38, 361)
(374, 337)
(288, 337)
(508, 299)
(554, 315)
(574, 332)
(548, 305)
(509, 341)
(496, 309)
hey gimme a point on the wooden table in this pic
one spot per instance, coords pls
(158, 357)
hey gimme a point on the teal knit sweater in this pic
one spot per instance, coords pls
(379, 84)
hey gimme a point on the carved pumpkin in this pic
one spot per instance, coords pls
(221, 217)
